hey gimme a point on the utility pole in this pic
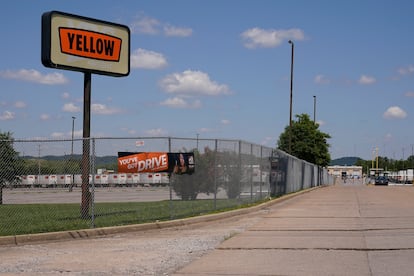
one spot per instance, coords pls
(291, 95)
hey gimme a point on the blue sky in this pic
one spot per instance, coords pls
(221, 69)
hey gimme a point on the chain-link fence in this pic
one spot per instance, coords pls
(55, 185)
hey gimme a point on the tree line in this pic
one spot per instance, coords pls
(386, 163)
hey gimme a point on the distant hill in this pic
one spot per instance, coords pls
(344, 161)
(104, 160)
(99, 161)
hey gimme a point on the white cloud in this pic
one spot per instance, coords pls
(102, 109)
(388, 137)
(145, 59)
(76, 133)
(145, 25)
(65, 95)
(320, 122)
(193, 83)
(156, 132)
(321, 79)
(267, 140)
(406, 70)
(57, 135)
(71, 107)
(394, 112)
(256, 37)
(225, 122)
(364, 79)
(7, 115)
(44, 117)
(175, 102)
(131, 131)
(151, 26)
(20, 104)
(32, 75)
(62, 135)
(170, 30)
(205, 130)
(178, 102)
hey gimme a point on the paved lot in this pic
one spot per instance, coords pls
(62, 195)
(102, 194)
(342, 230)
(347, 229)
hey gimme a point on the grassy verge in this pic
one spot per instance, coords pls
(17, 219)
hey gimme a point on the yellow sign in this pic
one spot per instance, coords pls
(89, 44)
(84, 44)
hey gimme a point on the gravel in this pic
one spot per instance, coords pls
(155, 252)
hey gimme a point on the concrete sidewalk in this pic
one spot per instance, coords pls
(347, 229)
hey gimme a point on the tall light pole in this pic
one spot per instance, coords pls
(73, 130)
(71, 154)
(291, 96)
(403, 167)
(38, 168)
(314, 109)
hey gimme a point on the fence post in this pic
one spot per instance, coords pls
(86, 145)
(169, 184)
(251, 172)
(86, 196)
(215, 174)
(260, 171)
(93, 169)
(240, 169)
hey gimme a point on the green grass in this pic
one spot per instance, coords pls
(17, 219)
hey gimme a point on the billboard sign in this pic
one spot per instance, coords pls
(84, 44)
(150, 162)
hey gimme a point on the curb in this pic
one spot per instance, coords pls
(105, 231)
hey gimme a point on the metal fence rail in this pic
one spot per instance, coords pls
(45, 191)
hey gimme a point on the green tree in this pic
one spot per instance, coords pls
(230, 173)
(386, 164)
(189, 186)
(308, 142)
(366, 165)
(9, 162)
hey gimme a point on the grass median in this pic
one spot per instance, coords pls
(18, 219)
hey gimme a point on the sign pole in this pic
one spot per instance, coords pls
(65, 36)
(86, 145)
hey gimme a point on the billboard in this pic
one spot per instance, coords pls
(84, 44)
(150, 162)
